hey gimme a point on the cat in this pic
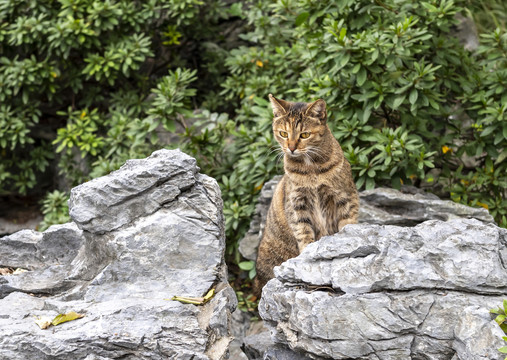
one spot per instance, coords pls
(317, 195)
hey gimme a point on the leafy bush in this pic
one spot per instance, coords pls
(89, 84)
(95, 81)
(100, 75)
(55, 209)
(407, 102)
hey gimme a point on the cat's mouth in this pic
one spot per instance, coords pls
(295, 154)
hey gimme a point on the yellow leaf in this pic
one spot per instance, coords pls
(259, 63)
(61, 318)
(83, 114)
(446, 149)
(209, 295)
(195, 300)
(188, 300)
(485, 206)
(257, 188)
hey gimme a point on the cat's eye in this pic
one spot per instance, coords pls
(305, 135)
(284, 134)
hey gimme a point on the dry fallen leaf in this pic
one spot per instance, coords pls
(195, 300)
(19, 271)
(61, 318)
(43, 321)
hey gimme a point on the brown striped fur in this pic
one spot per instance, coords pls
(317, 195)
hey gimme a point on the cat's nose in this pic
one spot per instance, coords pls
(292, 148)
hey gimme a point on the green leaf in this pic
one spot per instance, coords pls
(370, 184)
(434, 104)
(252, 273)
(343, 32)
(361, 76)
(398, 101)
(246, 265)
(413, 96)
(170, 125)
(302, 18)
(61, 318)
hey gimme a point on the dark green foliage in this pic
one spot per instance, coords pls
(95, 79)
(404, 96)
(55, 209)
(89, 84)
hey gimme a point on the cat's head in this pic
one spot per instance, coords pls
(299, 127)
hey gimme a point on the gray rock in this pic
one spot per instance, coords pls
(280, 352)
(250, 242)
(386, 206)
(454, 255)
(476, 336)
(388, 292)
(111, 201)
(381, 206)
(257, 340)
(466, 32)
(147, 232)
(240, 322)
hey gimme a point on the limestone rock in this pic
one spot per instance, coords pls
(142, 234)
(386, 206)
(111, 201)
(280, 352)
(389, 292)
(250, 242)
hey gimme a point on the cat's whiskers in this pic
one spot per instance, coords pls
(279, 153)
(315, 151)
(273, 149)
(310, 160)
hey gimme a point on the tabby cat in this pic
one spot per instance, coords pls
(317, 195)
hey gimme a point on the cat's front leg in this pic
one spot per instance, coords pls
(299, 208)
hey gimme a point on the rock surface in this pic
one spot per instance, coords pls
(410, 207)
(381, 206)
(389, 292)
(250, 242)
(142, 234)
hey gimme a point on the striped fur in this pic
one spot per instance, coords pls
(317, 195)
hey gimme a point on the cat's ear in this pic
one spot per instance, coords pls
(317, 109)
(280, 107)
